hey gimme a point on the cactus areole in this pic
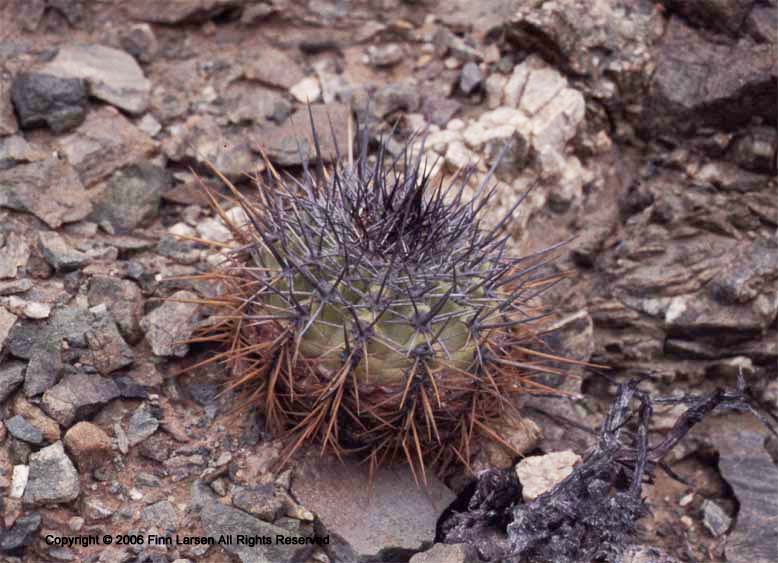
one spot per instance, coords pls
(367, 308)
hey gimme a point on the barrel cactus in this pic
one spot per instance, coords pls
(366, 308)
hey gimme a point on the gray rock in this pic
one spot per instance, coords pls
(362, 516)
(756, 150)
(21, 534)
(8, 125)
(16, 150)
(105, 142)
(201, 139)
(77, 396)
(716, 521)
(752, 271)
(290, 143)
(143, 423)
(470, 78)
(44, 368)
(749, 469)
(180, 251)
(132, 196)
(219, 519)
(698, 83)
(109, 350)
(382, 56)
(53, 477)
(762, 23)
(440, 110)
(261, 501)
(11, 377)
(447, 553)
(50, 190)
(170, 324)
(44, 99)
(59, 254)
(161, 514)
(15, 286)
(7, 321)
(123, 299)
(177, 12)
(139, 41)
(14, 254)
(726, 16)
(272, 67)
(246, 102)
(21, 429)
(66, 323)
(112, 75)
(645, 554)
(399, 96)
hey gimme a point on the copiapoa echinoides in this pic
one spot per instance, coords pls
(367, 307)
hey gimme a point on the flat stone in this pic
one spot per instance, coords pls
(105, 142)
(219, 519)
(202, 140)
(248, 102)
(124, 300)
(132, 196)
(389, 517)
(540, 473)
(109, 350)
(143, 423)
(160, 514)
(178, 11)
(53, 478)
(21, 534)
(716, 521)
(11, 377)
(170, 324)
(51, 190)
(383, 56)
(77, 396)
(19, 478)
(35, 416)
(7, 321)
(14, 254)
(111, 74)
(44, 99)
(751, 472)
(447, 553)
(292, 142)
(271, 66)
(645, 554)
(44, 368)
(21, 429)
(8, 124)
(66, 323)
(59, 254)
(261, 501)
(24, 308)
(16, 150)
(15, 286)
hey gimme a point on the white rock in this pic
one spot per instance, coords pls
(514, 87)
(458, 156)
(213, 229)
(308, 90)
(19, 480)
(181, 229)
(439, 140)
(539, 474)
(495, 86)
(558, 122)
(542, 86)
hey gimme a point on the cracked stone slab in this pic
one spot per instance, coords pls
(53, 477)
(392, 517)
(111, 74)
(51, 190)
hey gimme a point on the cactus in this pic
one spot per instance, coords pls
(369, 309)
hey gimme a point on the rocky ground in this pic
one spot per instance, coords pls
(647, 127)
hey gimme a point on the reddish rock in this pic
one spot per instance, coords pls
(89, 445)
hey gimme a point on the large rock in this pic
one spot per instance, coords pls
(167, 326)
(178, 11)
(44, 99)
(271, 66)
(390, 516)
(77, 396)
(291, 143)
(112, 75)
(123, 299)
(51, 190)
(53, 478)
(699, 83)
(753, 475)
(104, 143)
(8, 125)
(58, 253)
(89, 445)
(109, 350)
(220, 520)
(11, 377)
